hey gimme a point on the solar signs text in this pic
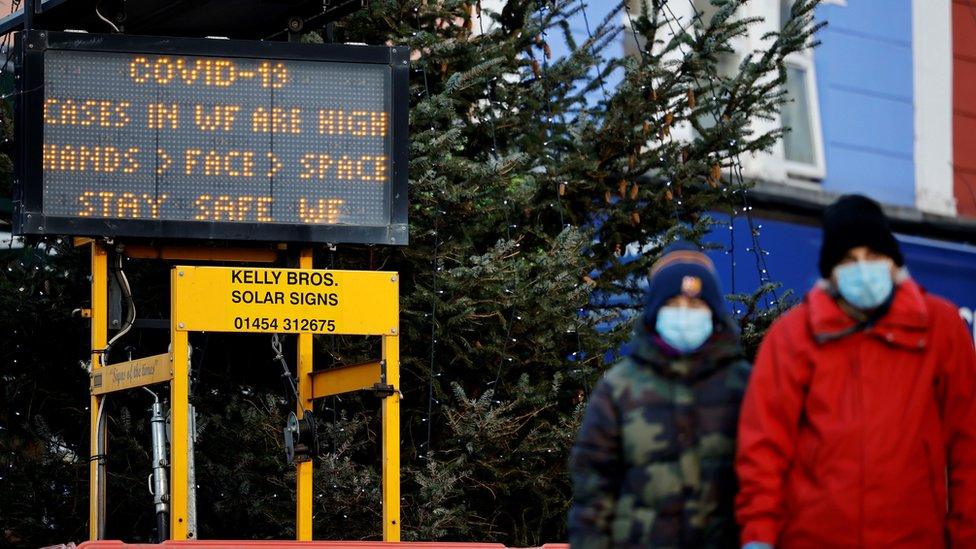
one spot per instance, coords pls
(229, 299)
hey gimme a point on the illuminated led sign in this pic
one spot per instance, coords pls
(211, 139)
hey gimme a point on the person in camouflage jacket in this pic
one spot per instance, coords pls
(652, 465)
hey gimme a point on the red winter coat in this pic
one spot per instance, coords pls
(850, 440)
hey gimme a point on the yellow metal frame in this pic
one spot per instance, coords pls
(303, 469)
(384, 374)
(391, 440)
(179, 398)
(99, 338)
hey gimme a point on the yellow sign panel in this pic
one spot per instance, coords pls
(317, 301)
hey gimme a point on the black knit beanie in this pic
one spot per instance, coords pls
(852, 221)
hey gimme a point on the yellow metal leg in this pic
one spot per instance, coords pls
(180, 420)
(391, 441)
(303, 470)
(99, 337)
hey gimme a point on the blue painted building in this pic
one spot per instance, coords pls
(878, 92)
(864, 79)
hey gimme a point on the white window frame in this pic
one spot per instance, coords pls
(818, 169)
(773, 166)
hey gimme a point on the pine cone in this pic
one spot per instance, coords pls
(714, 175)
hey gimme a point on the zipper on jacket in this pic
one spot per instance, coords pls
(859, 395)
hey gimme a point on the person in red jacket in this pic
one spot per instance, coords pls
(858, 427)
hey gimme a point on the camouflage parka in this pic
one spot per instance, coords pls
(652, 465)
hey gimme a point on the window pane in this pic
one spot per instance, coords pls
(798, 141)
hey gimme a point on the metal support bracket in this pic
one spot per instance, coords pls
(383, 390)
(301, 438)
(346, 379)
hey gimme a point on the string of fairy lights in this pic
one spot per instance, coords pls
(438, 267)
(739, 188)
(509, 225)
(667, 137)
(589, 32)
(735, 170)
(503, 357)
(729, 192)
(738, 181)
(434, 289)
(550, 134)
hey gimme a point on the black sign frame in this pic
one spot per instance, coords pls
(28, 216)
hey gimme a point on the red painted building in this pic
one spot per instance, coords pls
(964, 105)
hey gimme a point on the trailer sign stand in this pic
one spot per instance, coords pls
(210, 299)
(192, 142)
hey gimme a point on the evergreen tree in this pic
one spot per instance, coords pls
(530, 179)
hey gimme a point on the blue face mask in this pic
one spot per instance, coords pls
(683, 328)
(865, 284)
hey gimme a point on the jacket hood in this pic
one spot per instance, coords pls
(905, 324)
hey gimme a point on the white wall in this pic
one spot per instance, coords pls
(932, 53)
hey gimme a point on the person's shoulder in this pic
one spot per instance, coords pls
(621, 372)
(943, 315)
(615, 382)
(940, 307)
(788, 322)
